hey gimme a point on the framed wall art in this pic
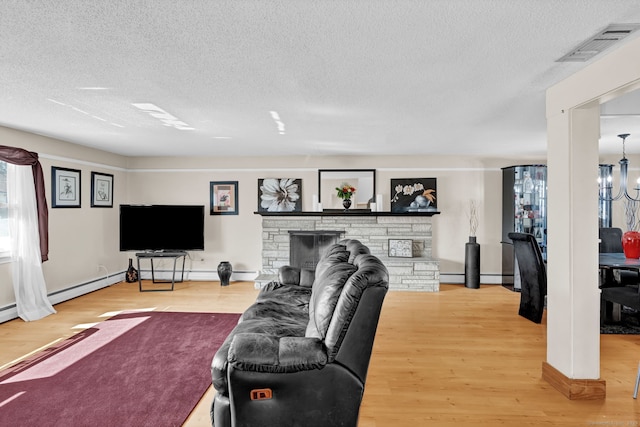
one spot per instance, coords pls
(414, 195)
(224, 197)
(101, 190)
(402, 248)
(65, 188)
(279, 195)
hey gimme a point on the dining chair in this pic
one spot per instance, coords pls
(611, 242)
(533, 276)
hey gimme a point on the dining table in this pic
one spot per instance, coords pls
(616, 261)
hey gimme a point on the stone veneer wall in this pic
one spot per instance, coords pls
(420, 273)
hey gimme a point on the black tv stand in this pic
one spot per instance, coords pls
(161, 254)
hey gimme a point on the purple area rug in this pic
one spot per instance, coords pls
(135, 369)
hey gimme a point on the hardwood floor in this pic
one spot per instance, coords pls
(460, 357)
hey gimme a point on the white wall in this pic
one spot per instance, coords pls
(84, 241)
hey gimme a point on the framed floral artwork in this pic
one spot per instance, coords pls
(223, 197)
(414, 195)
(101, 190)
(65, 187)
(279, 195)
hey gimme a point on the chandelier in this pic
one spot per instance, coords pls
(606, 185)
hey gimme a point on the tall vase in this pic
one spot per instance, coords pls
(472, 263)
(131, 275)
(224, 272)
(347, 204)
(631, 244)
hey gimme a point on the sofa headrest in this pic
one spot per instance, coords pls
(342, 275)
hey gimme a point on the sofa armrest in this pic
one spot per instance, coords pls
(289, 275)
(267, 353)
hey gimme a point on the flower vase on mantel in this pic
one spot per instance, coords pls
(631, 244)
(347, 204)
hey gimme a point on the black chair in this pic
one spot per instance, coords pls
(611, 242)
(610, 239)
(533, 276)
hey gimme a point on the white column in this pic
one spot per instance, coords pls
(573, 313)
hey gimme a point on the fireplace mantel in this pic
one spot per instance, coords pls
(350, 212)
(373, 229)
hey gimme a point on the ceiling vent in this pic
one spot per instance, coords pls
(599, 43)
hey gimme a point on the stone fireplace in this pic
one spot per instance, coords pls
(418, 273)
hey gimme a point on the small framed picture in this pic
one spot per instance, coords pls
(101, 190)
(224, 198)
(401, 248)
(65, 188)
(279, 195)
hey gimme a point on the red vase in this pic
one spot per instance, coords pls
(631, 244)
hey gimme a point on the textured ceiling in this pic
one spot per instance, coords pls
(302, 77)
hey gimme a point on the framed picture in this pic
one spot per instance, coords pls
(224, 198)
(414, 195)
(101, 190)
(65, 188)
(279, 195)
(402, 248)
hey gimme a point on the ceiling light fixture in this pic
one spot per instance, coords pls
(164, 117)
(606, 185)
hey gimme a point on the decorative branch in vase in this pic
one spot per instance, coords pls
(472, 250)
(473, 218)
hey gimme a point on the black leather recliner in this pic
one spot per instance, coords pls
(299, 355)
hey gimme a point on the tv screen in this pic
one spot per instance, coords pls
(161, 227)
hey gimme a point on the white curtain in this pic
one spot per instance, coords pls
(28, 280)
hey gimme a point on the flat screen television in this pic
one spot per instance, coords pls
(161, 227)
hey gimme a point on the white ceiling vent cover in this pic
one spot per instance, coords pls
(600, 42)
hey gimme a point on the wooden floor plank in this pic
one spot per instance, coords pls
(460, 357)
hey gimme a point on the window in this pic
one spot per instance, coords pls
(5, 243)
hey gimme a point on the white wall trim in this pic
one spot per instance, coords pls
(198, 275)
(10, 312)
(458, 278)
(81, 162)
(280, 169)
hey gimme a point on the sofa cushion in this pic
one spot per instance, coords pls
(371, 273)
(296, 276)
(283, 327)
(325, 294)
(267, 353)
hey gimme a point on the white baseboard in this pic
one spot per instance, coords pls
(7, 313)
(10, 312)
(198, 275)
(458, 278)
